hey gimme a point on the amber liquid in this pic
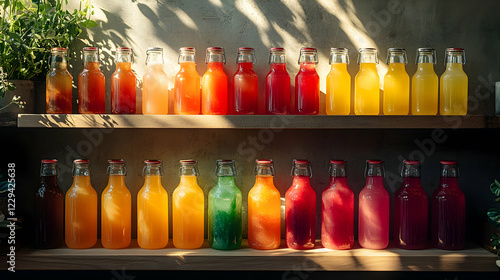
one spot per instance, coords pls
(49, 214)
(91, 90)
(123, 94)
(58, 98)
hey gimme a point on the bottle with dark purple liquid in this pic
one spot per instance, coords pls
(49, 208)
(410, 209)
(448, 210)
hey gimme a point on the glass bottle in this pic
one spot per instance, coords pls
(374, 204)
(337, 207)
(425, 84)
(264, 208)
(410, 209)
(245, 83)
(152, 208)
(300, 208)
(338, 83)
(454, 84)
(154, 84)
(224, 209)
(123, 81)
(49, 208)
(277, 84)
(448, 210)
(214, 83)
(187, 84)
(367, 83)
(91, 84)
(59, 92)
(188, 208)
(396, 97)
(307, 83)
(81, 208)
(116, 208)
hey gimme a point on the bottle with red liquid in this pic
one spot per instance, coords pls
(410, 209)
(49, 208)
(277, 84)
(214, 83)
(374, 203)
(123, 81)
(300, 208)
(91, 84)
(245, 83)
(307, 83)
(337, 209)
(59, 92)
(448, 210)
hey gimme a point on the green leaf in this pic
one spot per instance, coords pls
(495, 188)
(89, 23)
(494, 217)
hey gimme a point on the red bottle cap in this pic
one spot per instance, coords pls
(374, 161)
(116, 161)
(454, 50)
(245, 49)
(58, 49)
(123, 49)
(188, 161)
(337, 162)
(264, 161)
(277, 49)
(300, 161)
(306, 49)
(215, 49)
(152, 161)
(90, 49)
(81, 161)
(49, 160)
(448, 162)
(411, 162)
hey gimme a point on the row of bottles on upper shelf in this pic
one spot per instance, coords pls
(210, 97)
(264, 209)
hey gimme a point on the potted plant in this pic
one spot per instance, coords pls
(494, 219)
(28, 30)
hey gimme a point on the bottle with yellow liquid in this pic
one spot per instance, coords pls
(188, 208)
(425, 84)
(116, 208)
(338, 83)
(454, 84)
(367, 83)
(264, 209)
(81, 209)
(396, 84)
(152, 208)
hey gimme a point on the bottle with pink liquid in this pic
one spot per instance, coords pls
(277, 84)
(448, 210)
(307, 83)
(300, 208)
(337, 208)
(410, 209)
(374, 208)
(245, 83)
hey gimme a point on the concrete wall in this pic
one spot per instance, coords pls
(290, 24)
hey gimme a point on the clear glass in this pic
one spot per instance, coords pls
(123, 83)
(300, 208)
(154, 84)
(425, 84)
(49, 208)
(338, 83)
(337, 208)
(396, 96)
(187, 86)
(224, 209)
(367, 83)
(188, 208)
(245, 84)
(277, 84)
(454, 84)
(264, 209)
(91, 84)
(81, 209)
(59, 92)
(214, 84)
(374, 203)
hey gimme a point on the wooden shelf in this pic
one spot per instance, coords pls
(255, 121)
(283, 259)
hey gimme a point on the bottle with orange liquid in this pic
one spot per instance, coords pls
(367, 84)
(454, 84)
(123, 80)
(81, 208)
(214, 83)
(116, 208)
(188, 208)
(187, 84)
(154, 84)
(58, 98)
(425, 84)
(338, 84)
(396, 98)
(245, 83)
(152, 208)
(91, 88)
(264, 209)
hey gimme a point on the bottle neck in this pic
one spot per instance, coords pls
(49, 180)
(188, 66)
(397, 67)
(225, 180)
(90, 65)
(116, 180)
(411, 181)
(374, 181)
(454, 66)
(299, 180)
(278, 66)
(308, 66)
(264, 180)
(339, 66)
(127, 66)
(215, 66)
(339, 180)
(188, 180)
(245, 66)
(426, 67)
(152, 180)
(368, 66)
(81, 180)
(451, 182)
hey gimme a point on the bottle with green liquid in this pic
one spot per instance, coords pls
(224, 209)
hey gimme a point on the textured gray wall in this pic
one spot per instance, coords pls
(289, 24)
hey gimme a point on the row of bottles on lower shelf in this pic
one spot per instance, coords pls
(77, 223)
